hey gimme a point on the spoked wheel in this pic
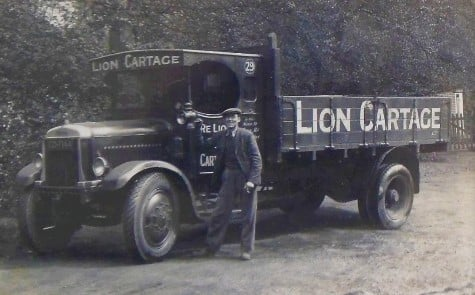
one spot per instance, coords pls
(150, 219)
(158, 219)
(40, 229)
(391, 201)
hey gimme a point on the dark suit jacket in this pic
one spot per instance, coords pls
(247, 154)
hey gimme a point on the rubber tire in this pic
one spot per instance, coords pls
(141, 192)
(391, 178)
(31, 212)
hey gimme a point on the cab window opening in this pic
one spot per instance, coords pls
(214, 87)
(137, 94)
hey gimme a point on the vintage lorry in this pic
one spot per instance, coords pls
(142, 168)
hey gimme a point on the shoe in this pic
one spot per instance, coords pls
(245, 256)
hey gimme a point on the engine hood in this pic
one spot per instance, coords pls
(111, 128)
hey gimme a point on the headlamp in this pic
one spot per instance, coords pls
(38, 161)
(100, 166)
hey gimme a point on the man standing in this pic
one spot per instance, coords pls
(237, 170)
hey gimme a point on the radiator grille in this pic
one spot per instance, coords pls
(61, 162)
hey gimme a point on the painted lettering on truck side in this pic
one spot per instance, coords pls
(207, 159)
(326, 120)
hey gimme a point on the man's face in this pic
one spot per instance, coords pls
(232, 121)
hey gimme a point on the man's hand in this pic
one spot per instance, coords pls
(249, 186)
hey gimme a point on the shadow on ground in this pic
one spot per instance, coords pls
(105, 245)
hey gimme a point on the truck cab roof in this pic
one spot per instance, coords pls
(156, 58)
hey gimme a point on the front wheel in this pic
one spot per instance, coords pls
(150, 217)
(391, 200)
(40, 229)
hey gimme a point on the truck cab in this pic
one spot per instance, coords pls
(142, 166)
(158, 87)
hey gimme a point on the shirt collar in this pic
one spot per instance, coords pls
(232, 132)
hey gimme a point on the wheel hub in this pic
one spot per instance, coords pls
(397, 199)
(157, 218)
(394, 196)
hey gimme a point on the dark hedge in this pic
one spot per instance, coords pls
(329, 47)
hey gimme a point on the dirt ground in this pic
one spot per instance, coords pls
(329, 252)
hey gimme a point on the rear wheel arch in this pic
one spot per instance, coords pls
(406, 156)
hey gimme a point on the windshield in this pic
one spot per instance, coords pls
(211, 86)
(139, 94)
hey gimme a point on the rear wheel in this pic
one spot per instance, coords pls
(390, 202)
(150, 217)
(40, 229)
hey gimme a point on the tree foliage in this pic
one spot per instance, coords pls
(394, 47)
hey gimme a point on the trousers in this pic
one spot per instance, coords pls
(231, 190)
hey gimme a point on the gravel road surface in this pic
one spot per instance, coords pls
(329, 252)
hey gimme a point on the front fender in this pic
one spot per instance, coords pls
(27, 175)
(119, 176)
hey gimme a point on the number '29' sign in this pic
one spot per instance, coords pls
(250, 67)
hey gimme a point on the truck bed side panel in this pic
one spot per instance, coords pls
(311, 123)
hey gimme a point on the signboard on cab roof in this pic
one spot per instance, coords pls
(135, 60)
